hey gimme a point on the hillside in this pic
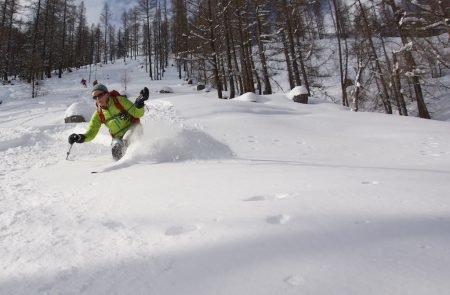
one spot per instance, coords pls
(220, 196)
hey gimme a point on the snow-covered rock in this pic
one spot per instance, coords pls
(166, 89)
(298, 94)
(297, 90)
(78, 112)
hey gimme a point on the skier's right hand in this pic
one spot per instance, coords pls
(78, 138)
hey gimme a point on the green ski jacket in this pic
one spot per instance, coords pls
(116, 122)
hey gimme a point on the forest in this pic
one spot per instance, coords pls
(391, 54)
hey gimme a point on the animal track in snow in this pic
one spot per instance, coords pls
(251, 139)
(294, 280)
(259, 198)
(278, 219)
(369, 182)
(181, 230)
(113, 225)
(432, 148)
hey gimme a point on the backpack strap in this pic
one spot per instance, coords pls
(113, 94)
(122, 110)
(100, 114)
(118, 104)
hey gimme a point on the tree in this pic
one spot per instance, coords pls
(343, 53)
(225, 7)
(62, 46)
(80, 57)
(261, 15)
(146, 7)
(287, 29)
(33, 56)
(412, 70)
(104, 18)
(9, 9)
(180, 37)
(244, 45)
(204, 35)
(383, 87)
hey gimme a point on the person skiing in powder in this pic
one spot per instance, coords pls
(119, 114)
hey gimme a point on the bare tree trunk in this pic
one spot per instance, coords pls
(342, 70)
(228, 54)
(236, 65)
(288, 60)
(255, 73)
(8, 53)
(223, 73)
(445, 11)
(4, 74)
(411, 63)
(356, 94)
(245, 52)
(262, 53)
(106, 16)
(398, 86)
(290, 39)
(31, 75)
(149, 44)
(380, 76)
(212, 44)
(63, 42)
(49, 66)
(302, 66)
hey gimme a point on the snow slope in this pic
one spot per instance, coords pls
(221, 197)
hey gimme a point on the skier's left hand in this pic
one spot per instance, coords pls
(144, 93)
(142, 98)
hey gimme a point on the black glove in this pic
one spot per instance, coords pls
(139, 103)
(78, 138)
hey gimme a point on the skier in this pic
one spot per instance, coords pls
(119, 114)
(83, 82)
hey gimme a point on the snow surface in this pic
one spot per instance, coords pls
(244, 196)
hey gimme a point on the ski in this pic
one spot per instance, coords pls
(114, 166)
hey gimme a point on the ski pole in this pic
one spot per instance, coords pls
(68, 152)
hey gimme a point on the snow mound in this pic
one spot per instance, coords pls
(251, 97)
(80, 109)
(164, 142)
(167, 139)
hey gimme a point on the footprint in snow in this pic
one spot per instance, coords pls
(257, 199)
(281, 196)
(251, 139)
(370, 182)
(278, 219)
(181, 230)
(267, 198)
(295, 280)
(113, 225)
